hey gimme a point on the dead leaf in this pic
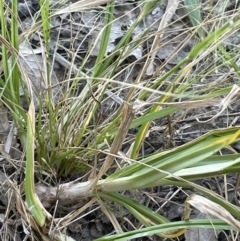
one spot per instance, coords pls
(139, 104)
(208, 207)
(33, 65)
(171, 8)
(81, 5)
(224, 103)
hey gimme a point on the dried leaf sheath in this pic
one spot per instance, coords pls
(119, 138)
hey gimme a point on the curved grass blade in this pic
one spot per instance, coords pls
(210, 223)
(145, 215)
(148, 171)
(33, 202)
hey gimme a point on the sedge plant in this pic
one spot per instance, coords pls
(70, 134)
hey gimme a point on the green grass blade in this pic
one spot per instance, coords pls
(4, 36)
(194, 12)
(167, 227)
(122, 45)
(32, 200)
(15, 75)
(105, 38)
(148, 117)
(145, 215)
(146, 172)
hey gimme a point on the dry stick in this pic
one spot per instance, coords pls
(81, 5)
(236, 188)
(170, 124)
(67, 220)
(171, 8)
(224, 103)
(183, 105)
(148, 65)
(118, 140)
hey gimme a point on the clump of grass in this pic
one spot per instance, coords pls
(71, 135)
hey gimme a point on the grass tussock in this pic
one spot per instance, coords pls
(85, 103)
